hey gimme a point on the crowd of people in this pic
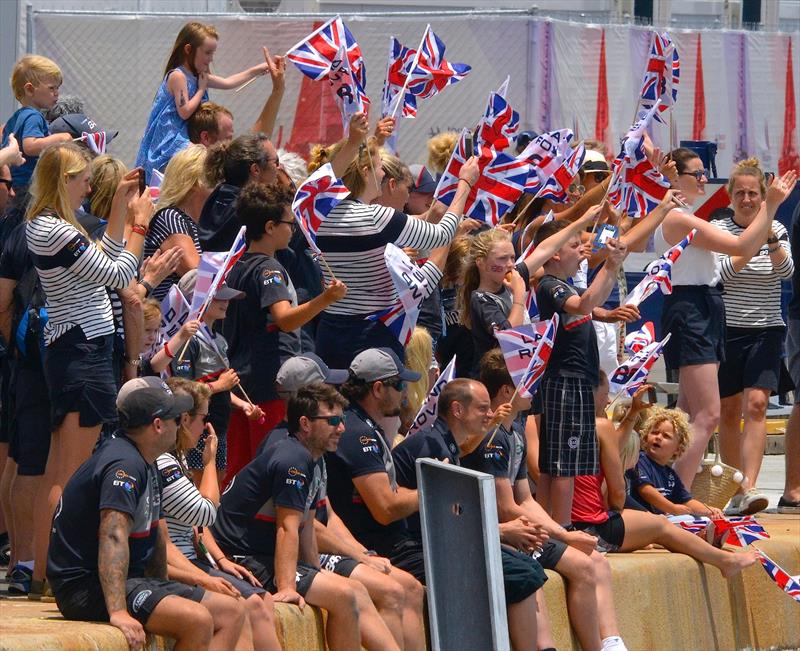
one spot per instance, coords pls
(261, 453)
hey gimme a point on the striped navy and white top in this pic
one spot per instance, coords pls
(353, 237)
(183, 505)
(166, 223)
(75, 273)
(753, 295)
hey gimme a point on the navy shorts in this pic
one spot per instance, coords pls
(246, 588)
(263, 568)
(752, 359)
(80, 378)
(30, 425)
(85, 601)
(341, 565)
(550, 553)
(695, 317)
(340, 338)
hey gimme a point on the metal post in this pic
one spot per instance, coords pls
(9, 52)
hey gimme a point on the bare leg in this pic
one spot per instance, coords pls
(334, 594)
(791, 489)
(698, 395)
(229, 615)
(643, 528)
(578, 572)
(532, 439)
(543, 487)
(561, 489)
(544, 630)
(187, 621)
(730, 430)
(70, 446)
(24, 488)
(387, 596)
(9, 470)
(413, 623)
(754, 437)
(522, 624)
(261, 613)
(606, 613)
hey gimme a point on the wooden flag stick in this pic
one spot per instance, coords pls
(246, 84)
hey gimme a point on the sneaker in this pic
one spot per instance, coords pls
(613, 643)
(735, 505)
(788, 507)
(748, 503)
(5, 550)
(19, 580)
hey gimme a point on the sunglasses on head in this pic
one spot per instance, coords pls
(333, 421)
(697, 174)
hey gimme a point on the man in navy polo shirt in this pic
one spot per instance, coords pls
(265, 521)
(107, 555)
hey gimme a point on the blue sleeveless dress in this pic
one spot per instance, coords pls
(166, 133)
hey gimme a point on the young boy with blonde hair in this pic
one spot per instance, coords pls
(35, 81)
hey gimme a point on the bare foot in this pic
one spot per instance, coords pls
(736, 562)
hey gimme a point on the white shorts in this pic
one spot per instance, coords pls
(607, 345)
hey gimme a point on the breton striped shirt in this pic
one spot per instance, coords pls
(166, 223)
(183, 505)
(353, 237)
(753, 295)
(74, 273)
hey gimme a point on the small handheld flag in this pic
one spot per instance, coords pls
(430, 409)
(315, 198)
(659, 273)
(640, 338)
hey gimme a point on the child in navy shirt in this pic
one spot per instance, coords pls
(664, 437)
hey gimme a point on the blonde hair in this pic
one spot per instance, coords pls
(395, 168)
(459, 249)
(151, 309)
(748, 167)
(352, 178)
(680, 423)
(107, 172)
(629, 454)
(440, 148)
(480, 248)
(199, 393)
(33, 69)
(192, 34)
(56, 165)
(419, 353)
(185, 170)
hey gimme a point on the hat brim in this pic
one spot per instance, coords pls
(407, 375)
(181, 404)
(425, 188)
(336, 376)
(228, 294)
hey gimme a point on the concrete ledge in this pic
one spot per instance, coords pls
(664, 602)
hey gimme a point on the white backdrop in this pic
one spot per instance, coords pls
(116, 62)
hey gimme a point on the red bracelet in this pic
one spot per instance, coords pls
(166, 350)
(141, 230)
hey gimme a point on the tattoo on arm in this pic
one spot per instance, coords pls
(157, 566)
(183, 99)
(113, 557)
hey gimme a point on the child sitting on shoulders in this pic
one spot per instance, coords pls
(654, 484)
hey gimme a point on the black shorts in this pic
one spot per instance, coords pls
(550, 554)
(246, 588)
(567, 434)
(85, 601)
(695, 317)
(7, 391)
(263, 568)
(80, 378)
(341, 565)
(30, 424)
(341, 337)
(611, 532)
(752, 360)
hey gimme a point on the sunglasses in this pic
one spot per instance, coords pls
(291, 223)
(7, 183)
(576, 188)
(333, 421)
(397, 385)
(697, 174)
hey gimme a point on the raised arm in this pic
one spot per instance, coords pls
(237, 79)
(547, 248)
(265, 123)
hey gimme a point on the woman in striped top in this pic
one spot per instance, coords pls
(353, 238)
(187, 507)
(182, 196)
(754, 335)
(694, 314)
(74, 273)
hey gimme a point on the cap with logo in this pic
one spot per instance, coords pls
(379, 364)
(302, 370)
(141, 400)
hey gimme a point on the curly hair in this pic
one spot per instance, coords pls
(440, 148)
(680, 423)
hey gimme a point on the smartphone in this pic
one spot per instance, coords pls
(651, 396)
(142, 184)
(469, 146)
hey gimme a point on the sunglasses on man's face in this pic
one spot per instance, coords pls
(397, 385)
(333, 421)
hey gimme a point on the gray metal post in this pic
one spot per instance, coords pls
(463, 568)
(9, 53)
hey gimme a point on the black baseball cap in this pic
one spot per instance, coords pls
(141, 400)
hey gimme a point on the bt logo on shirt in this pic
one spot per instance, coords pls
(369, 444)
(297, 478)
(124, 480)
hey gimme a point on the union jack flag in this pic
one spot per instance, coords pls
(500, 185)
(430, 72)
(316, 53)
(535, 372)
(555, 188)
(498, 125)
(448, 181)
(740, 531)
(640, 338)
(545, 154)
(519, 345)
(696, 526)
(785, 581)
(212, 271)
(95, 141)
(429, 411)
(662, 75)
(315, 198)
(632, 374)
(350, 96)
(659, 273)
(400, 60)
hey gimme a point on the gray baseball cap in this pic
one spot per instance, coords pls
(379, 364)
(144, 399)
(224, 293)
(300, 371)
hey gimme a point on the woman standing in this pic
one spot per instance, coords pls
(753, 337)
(694, 314)
(74, 274)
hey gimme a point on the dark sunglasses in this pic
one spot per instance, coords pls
(333, 421)
(178, 420)
(7, 183)
(397, 385)
(697, 174)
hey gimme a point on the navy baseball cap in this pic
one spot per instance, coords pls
(424, 183)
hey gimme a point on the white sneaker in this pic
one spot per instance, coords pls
(613, 643)
(753, 501)
(735, 505)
